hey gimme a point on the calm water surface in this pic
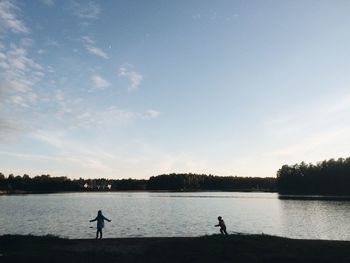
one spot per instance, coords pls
(173, 214)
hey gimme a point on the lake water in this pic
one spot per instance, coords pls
(149, 214)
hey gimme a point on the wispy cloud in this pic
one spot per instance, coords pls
(9, 18)
(99, 82)
(134, 77)
(96, 51)
(86, 9)
(311, 143)
(90, 46)
(59, 96)
(73, 151)
(26, 42)
(319, 114)
(88, 40)
(24, 100)
(214, 16)
(111, 117)
(52, 42)
(48, 2)
(86, 157)
(10, 127)
(152, 114)
(196, 16)
(41, 51)
(19, 74)
(315, 131)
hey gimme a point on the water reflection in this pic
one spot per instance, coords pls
(173, 214)
(315, 219)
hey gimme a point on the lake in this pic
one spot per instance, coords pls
(147, 214)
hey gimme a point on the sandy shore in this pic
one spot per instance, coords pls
(234, 248)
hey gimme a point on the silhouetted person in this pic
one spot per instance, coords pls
(222, 226)
(100, 223)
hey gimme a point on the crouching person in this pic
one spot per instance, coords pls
(222, 226)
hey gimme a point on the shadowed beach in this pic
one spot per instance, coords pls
(216, 248)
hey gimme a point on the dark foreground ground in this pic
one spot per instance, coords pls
(234, 248)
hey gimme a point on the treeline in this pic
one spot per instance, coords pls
(330, 177)
(210, 182)
(47, 183)
(173, 182)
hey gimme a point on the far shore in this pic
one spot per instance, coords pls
(19, 192)
(216, 248)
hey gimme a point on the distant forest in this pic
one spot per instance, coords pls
(331, 177)
(172, 182)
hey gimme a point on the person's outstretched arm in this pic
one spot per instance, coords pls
(92, 220)
(107, 219)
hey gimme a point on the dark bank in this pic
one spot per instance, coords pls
(216, 248)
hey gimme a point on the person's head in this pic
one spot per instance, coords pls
(219, 218)
(99, 212)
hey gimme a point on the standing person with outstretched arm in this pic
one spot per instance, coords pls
(222, 226)
(100, 223)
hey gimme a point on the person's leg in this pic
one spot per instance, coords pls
(225, 231)
(222, 232)
(99, 231)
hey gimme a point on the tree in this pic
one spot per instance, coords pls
(329, 177)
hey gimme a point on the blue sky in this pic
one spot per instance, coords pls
(123, 89)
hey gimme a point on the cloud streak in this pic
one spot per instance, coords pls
(99, 82)
(152, 114)
(9, 19)
(315, 131)
(96, 51)
(115, 161)
(48, 2)
(92, 49)
(9, 128)
(87, 10)
(134, 78)
(73, 151)
(19, 74)
(112, 116)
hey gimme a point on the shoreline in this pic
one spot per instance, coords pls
(215, 248)
(19, 192)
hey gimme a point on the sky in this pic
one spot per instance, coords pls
(133, 89)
